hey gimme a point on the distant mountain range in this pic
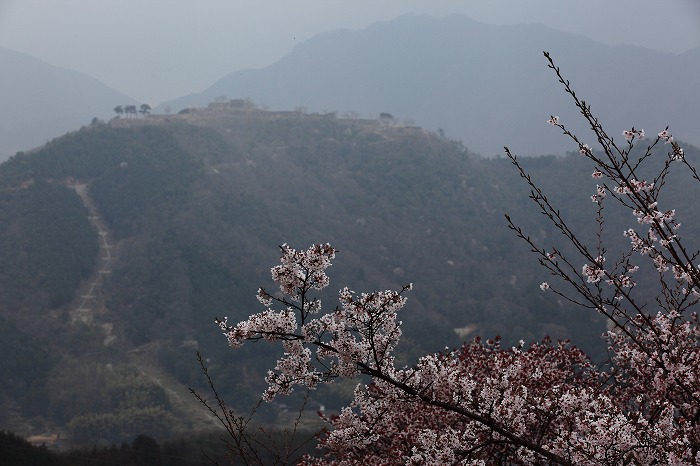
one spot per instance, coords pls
(485, 85)
(41, 101)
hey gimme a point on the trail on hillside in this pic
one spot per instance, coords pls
(89, 309)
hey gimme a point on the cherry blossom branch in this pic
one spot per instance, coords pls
(643, 340)
(484, 420)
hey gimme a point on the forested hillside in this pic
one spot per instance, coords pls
(195, 206)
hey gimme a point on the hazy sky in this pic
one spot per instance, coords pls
(155, 50)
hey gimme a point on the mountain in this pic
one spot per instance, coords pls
(122, 241)
(42, 101)
(485, 85)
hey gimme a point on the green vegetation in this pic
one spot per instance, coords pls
(47, 242)
(193, 203)
(143, 450)
(109, 405)
(25, 366)
(16, 451)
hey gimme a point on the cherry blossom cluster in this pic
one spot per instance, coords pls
(599, 195)
(265, 325)
(302, 270)
(666, 136)
(676, 153)
(408, 422)
(633, 133)
(464, 407)
(358, 336)
(624, 281)
(656, 367)
(594, 273)
(638, 244)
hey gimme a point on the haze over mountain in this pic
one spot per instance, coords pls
(475, 81)
(42, 101)
(485, 85)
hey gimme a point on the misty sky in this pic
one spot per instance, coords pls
(155, 50)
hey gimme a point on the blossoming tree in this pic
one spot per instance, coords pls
(541, 403)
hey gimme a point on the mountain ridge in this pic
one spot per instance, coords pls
(473, 80)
